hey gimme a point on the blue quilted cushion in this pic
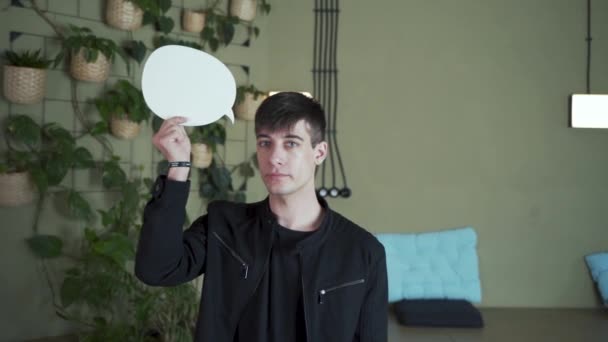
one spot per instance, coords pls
(433, 265)
(598, 266)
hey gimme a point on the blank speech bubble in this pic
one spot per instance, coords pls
(182, 81)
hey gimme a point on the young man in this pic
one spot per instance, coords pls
(287, 268)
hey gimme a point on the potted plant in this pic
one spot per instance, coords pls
(204, 141)
(25, 76)
(122, 109)
(90, 56)
(99, 290)
(246, 9)
(124, 14)
(248, 99)
(37, 155)
(193, 21)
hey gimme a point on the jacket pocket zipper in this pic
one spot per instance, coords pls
(235, 255)
(323, 292)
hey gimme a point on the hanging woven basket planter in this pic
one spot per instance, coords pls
(193, 21)
(202, 155)
(244, 9)
(124, 128)
(16, 188)
(124, 15)
(246, 109)
(24, 85)
(97, 71)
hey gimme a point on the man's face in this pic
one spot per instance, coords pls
(287, 159)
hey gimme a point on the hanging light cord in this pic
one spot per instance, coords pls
(588, 46)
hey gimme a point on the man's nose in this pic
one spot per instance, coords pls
(277, 156)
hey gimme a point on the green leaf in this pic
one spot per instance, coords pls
(116, 246)
(45, 246)
(130, 197)
(164, 5)
(58, 58)
(149, 18)
(239, 197)
(40, 179)
(58, 135)
(83, 158)
(56, 169)
(207, 191)
(100, 321)
(113, 175)
(165, 24)
(23, 129)
(227, 32)
(221, 177)
(73, 272)
(214, 44)
(137, 51)
(256, 31)
(79, 207)
(157, 121)
(246, 170)
(71, 291)
(90, 235)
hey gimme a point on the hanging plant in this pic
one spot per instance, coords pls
(25, 76)
(122, 109)
(90, 56)
(248, 99)
(124, 14)
(247, 9)
(204, 141)
(45, 153)
(193, 21)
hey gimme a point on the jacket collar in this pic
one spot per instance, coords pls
(312, 241)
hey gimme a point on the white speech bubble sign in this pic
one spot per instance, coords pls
(182, 81)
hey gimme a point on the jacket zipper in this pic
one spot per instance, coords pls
(323, 292)
(304, 298)
(235, 255)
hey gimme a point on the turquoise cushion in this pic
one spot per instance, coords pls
(598, 266)
(433, 265)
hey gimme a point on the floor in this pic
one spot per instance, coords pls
(517, 325)
(502, 325)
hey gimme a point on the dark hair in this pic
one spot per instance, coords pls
(283, 110)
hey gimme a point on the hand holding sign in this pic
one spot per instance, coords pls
(186, 82)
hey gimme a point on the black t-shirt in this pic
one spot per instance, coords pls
(276, 312)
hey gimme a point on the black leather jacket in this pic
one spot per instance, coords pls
(343, 269)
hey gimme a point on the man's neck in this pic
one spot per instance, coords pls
(300, 212)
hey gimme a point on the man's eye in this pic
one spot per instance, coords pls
(263, 143)
(291, 144)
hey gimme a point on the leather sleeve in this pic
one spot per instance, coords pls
(166, 255)
(373, 322)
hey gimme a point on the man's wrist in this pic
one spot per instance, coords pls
(180, 164)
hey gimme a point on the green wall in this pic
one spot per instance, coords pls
(450, 114)
(455, 113)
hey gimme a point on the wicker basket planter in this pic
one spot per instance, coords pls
(124, 15)
(124, 128)
(202, 155)
(193, 21)
(24, 85)
(97, 71)
(244, 9)
(16, 189)
(246, 109)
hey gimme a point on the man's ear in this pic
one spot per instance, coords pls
(320, 152)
